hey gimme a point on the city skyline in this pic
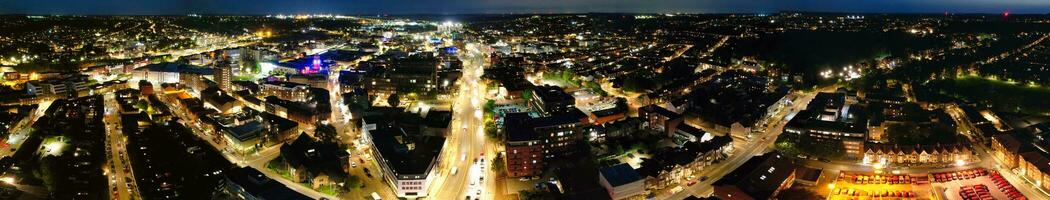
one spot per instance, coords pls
(619, 100)
(399, 7)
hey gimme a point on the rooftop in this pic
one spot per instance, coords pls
(521, 126)
(406, 154)
(620, 174)
(734, 96)
(401, 142)
(255, 183)
(760, 176)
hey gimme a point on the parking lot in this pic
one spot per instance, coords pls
(850, 186)
(992, 188)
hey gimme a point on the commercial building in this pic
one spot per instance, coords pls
(660, 119)
(312, 80)
(221, 100)
(1024, 151)
(530, 141)
(63, 87)
(285, 90)
(829, 118)
(407, 156)
(169, 72)
(412, 74)
(246, 183)
(1035, 166)
(621, 181)
(1006, 147)
(550, 100)
(761, 177)
(301, 112)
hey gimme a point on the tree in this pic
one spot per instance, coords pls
(492, 132)
(637, 84)
(526, 94)
(142, 105)
(326, 132)
(498, 165)
(394, 100)
(490, 106)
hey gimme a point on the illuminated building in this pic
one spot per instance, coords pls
(831, 118)
(550, 100)
(416, 73)
(224, 75)
(621, 181)
(407, 155)
(530, 141)
(285, 90)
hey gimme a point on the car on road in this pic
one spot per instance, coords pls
(353, 164)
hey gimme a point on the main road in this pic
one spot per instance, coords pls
(118, 170)
(742, 152)
(458, 175)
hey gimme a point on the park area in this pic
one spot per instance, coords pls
(1003, 95)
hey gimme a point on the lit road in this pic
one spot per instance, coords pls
(743, 150)
(15, 140)
(118, 170)
(466, 140)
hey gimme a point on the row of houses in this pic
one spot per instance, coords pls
(919, 154)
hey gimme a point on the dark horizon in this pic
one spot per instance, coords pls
(458, 7)
(548, 13)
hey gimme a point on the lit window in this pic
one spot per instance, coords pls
(763, 177)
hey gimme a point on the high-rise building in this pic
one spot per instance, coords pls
(223, 74)
(532, 141)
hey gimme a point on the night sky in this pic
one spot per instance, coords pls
(179, 7)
